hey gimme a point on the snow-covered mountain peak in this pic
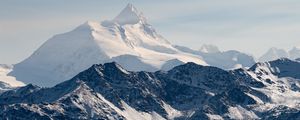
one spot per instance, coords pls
(129, 15)
(295, 52)
(125, 39)
(273, 54)
(276, 50)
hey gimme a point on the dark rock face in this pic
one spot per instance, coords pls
(102, 91)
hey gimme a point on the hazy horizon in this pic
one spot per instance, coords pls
(248, 26)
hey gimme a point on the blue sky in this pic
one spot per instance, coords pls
(251, 26)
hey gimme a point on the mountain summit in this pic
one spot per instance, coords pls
(129, 15)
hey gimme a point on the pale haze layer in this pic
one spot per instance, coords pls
(249, 26)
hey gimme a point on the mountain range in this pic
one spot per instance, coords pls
(276, 53)
(122, 69)
(268, 90)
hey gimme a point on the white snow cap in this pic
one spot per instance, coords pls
(129, 15)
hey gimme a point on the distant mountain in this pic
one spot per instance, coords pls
(231, 59)
(268, 90)
(273, 54)
(127, 39)
(294, 53)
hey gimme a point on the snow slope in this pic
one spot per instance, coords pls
(4, 70)
(127, 37)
